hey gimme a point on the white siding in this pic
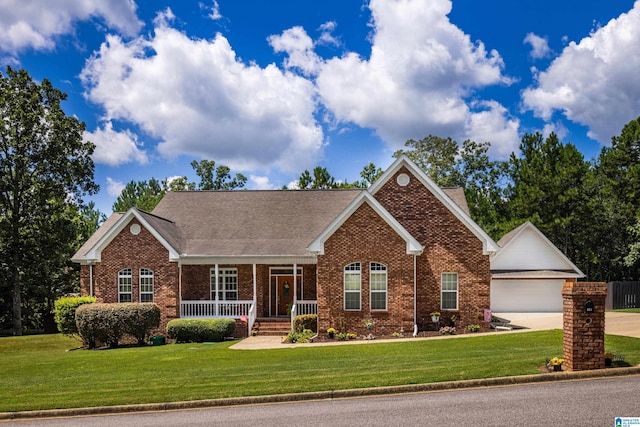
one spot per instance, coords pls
(529, 251)
(513, 296)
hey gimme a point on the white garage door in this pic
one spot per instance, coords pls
(513, 296)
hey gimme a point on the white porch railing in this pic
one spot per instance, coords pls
(303, 307)
(306, 307)
(233, 309)
(252, 319)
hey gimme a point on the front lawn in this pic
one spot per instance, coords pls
(39, 373)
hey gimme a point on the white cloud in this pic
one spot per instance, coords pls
(200, 100)
(326, 36)
(539, 46)
(114, 187)
(594, 82)
(261, 183)
(35, 24)
(299, 48)
(416, 82)
(114, 148)
(215, 11)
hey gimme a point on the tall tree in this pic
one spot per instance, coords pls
(222, 180)
(369, 174)
(320, 180)
(436, 156)
(45, 166)
(548, 189)
(141, 194)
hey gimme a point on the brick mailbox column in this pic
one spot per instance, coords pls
(583, 324)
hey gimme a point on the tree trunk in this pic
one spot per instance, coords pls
(17, 303)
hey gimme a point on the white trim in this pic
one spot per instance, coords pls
(246, 259)
(153, 284)
(95, 253)
(529, 225)
(488, 245)
(386, 286)
(130, 284)
(344, 287)
(442, 291)
(222, 273)
(413, 246)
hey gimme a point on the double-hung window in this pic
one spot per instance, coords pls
(449, 291)
(146, 285)
(352, 286)
(227, 287)
(378, 285)
(125, 281)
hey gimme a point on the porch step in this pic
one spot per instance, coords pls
(272, 326)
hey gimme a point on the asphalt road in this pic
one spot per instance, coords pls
(594, 402)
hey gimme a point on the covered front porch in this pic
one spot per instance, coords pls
(247, 291)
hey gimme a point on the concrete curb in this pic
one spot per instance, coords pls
(321, 395)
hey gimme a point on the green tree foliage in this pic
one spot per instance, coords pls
(548, 189)
(369, 174)
(436, 156)
(141, 194)
(217, 178)
(321, 179)
(45, 169)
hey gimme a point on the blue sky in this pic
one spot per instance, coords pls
(273, 88)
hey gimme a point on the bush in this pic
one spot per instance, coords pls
(305, 321)
(106, 324)
(300, 337)
(143, 318)
(200, 330)
(65, 313)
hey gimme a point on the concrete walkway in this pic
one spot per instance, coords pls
(616, 323)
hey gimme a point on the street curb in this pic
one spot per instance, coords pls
(321, 395)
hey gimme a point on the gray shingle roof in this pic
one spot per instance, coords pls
(261, 223)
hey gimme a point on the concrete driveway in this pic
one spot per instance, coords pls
(616, 323)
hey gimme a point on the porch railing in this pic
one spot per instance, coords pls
(233, 309)
(303, 307)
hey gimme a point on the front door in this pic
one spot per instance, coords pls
(285, 294)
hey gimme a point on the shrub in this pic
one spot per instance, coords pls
(142, 319)
(106, 324)
(305, 321)
(300, 337)
(200, 330)
(65, 313)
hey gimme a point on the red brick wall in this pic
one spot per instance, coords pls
(135, 252)
(365, 238)
(449, 247)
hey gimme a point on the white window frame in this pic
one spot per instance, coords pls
(446, 280)
(146, 285)
(226, 276)
(378, 269)
(353, 269)
(125, 280)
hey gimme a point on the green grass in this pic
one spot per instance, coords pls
(38, 372)
(628, 310)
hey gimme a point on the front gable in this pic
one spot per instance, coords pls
(423, 208)
(527, 249)
(412, 245)
(131, 222)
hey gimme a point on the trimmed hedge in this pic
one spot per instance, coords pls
(65, 313)
(305, 321)
(106, 324)
(200, 330)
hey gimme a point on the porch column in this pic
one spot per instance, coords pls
(180, 288)
(295, 282)
(255, 287)
(215, 295)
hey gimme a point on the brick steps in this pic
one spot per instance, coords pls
(272, 326)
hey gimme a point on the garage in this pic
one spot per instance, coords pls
(514, 296)
(528, 272)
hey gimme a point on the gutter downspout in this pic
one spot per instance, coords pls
(415, 296)
(180, 288)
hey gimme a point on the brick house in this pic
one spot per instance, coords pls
(394, 253)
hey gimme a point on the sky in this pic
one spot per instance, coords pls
(273, 88)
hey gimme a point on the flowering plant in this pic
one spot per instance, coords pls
(556, 361)
(473, 328)
(331, 330)
(435, 313)
(447, 330)
(609, 355)
(369, 324)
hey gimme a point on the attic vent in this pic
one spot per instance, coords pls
(403, 180)
(135, 229)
